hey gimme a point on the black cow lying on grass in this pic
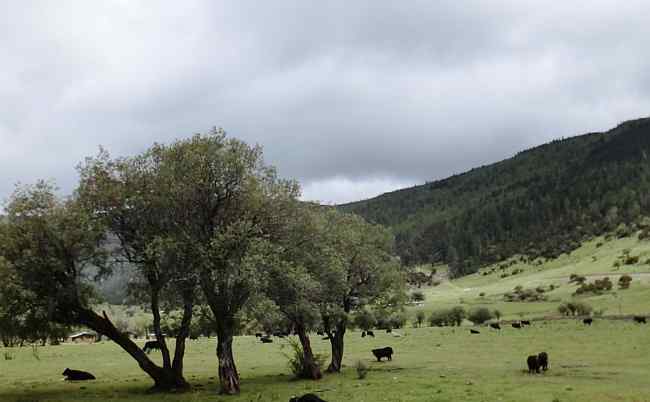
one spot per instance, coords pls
(639, 319)
(151, 345)
(495, 326)
(383, 352)
(307, 398)
(266, 339)
(588, 321)
(370, 333)
(473, 331)
(516, 325)
(542, 360)
(77, 375)
(533, 364)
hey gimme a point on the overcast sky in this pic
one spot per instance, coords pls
(352, 98)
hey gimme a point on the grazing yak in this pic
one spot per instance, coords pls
(533, 364)
(525, 322)
(588, 321)
(516, 325)
(383, 352)
(266, 339)
(307, 398)
(151, 345)
(473, 331)
(258, 335)
(77, 375)
(542, 360)
(639, 319)
(495, 326)
(363, 334)
(370, 333)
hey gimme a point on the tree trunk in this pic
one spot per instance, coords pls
(337, 348)
(183, 333)
(155, 310)
(164, 380)
(312, 370)
(228, 376)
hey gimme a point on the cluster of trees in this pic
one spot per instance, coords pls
(200, 223)
(541, 203)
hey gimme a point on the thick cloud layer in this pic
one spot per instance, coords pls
(351, 98)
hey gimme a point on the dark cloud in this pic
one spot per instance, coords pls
(351, 98)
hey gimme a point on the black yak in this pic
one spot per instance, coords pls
(306, 398)
(383, 352)
(151, 345)
(495, 326)
(542, 361)
(588, 321)
(77, 375)
(533, 364)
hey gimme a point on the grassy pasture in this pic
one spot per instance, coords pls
(609, 361)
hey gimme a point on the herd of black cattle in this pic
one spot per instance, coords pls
(536, 363)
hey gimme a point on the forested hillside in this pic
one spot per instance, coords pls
(542, 202)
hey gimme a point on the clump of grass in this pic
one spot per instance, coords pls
(362, 369)
(9, 356)
(296, 360)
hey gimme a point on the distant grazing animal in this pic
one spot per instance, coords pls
(639, 319)
(473, 331)
(321, 333)
(307, 398)
(258, 334)
(383, 352)
(516, 325)
(533, 364)
(370, 333)
(326, 338)
(194, 337)
(542, 361)
(77, 375)
(588, 321)
(525, 322)
(389, 330)
(266, 339)
(495, 326)
(151, 345)
(363, 334)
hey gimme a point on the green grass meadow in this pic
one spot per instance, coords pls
(609, 361)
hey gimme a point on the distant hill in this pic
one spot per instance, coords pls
(542, 202)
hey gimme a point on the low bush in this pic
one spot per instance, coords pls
(447, 317)
(574, 308)
(296, 360)
(597, 287)
(624, 281)
(479, 315)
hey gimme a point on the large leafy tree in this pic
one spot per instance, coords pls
(53, 245)
(368, 274)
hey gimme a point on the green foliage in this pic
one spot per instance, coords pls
(479, 315)
(418, 296)
(296, 360)
(597, 287)
(447, 317)
(624, 281)
(519, 294)
(365, 319)
(574, 308)
(420, 317)
(543, 202)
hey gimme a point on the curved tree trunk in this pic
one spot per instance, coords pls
(312, 370)
(182, 335)
(155, 311)
(164, 380)
(228, 376)
(336, 341)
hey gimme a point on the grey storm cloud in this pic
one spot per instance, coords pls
(350, 98)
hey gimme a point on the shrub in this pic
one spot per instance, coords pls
(597, 287)
(574, 308)
(444, 317)
(575, 278)
(482, 294)
(362, 369)
(296, 360)
(479, 315)
(624, 281)
(418, 296)
(457, 315)
(623, 231)
(497, 314)
(631, 260)
(616, 264)
(365, 320)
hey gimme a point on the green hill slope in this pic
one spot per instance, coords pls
(542, 202)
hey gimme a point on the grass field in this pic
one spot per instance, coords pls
(609, 361)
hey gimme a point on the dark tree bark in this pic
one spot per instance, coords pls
(228, 376)
(312, 370)
(336, 341)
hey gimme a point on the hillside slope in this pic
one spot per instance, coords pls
(542, 202)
